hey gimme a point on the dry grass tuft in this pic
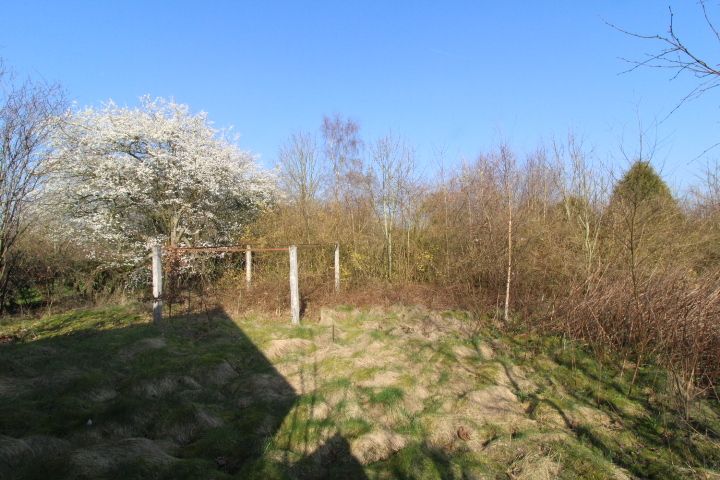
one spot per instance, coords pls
(377, 445)
(281, 347)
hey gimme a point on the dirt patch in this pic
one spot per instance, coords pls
(377, 445)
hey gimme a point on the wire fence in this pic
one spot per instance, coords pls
(181, 273)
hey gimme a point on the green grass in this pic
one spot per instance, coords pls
(648, 439)
(387, 397)
(104, 393)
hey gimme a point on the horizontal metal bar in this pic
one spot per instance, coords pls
(242, 248)
(224, 249)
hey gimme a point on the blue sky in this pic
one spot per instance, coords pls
(453, 76)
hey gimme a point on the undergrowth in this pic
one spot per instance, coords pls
(396, 392)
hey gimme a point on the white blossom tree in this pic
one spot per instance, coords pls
(127, 176)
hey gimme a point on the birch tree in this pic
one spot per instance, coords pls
(347, 179)
(342, 148)
(392, 162)
(507, 166)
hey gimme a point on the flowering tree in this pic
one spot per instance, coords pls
(125, 177)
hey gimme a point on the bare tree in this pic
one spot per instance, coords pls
(301, 173)
(708, 195)
(393, 163)
(29, 112)
(348, 181)
(342, 146)
(507, 168)
(583, 190)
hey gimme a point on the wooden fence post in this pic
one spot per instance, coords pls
(337, 267)
(248, 266)
(294, 290)
(157, 282)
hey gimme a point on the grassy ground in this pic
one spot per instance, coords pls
(393, 393)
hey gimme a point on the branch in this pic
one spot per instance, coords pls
(676, 55)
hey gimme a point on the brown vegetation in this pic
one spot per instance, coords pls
(621, 264)
(547, 242)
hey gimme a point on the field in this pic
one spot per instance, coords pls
(398, 392)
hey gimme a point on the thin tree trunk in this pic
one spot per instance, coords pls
(389, 255)
(407, 255)
(447, 238)
(509, 263)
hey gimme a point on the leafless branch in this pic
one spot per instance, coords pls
(675, 55)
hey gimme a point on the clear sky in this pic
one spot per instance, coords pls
(446, 75)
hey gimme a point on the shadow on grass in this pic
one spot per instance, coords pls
(192, 397)
(655, 435)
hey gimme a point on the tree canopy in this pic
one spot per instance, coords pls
(642, 185)
(125, 176)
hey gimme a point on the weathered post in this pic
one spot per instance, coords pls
(248, 266)
(337, 267)
(294, 289)
(157, 282)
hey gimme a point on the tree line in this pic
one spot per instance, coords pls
(549, 241)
